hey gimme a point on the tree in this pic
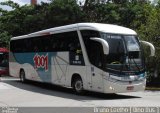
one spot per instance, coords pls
(4, 39)
(60, 12)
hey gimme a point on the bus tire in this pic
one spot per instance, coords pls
(22, 76)
(78, 86)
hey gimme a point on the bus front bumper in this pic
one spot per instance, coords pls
(122, 87)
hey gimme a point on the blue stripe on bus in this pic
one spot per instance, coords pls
(43, 72)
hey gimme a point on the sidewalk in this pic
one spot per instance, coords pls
(8, 78)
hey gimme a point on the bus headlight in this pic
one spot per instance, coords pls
(111, 88)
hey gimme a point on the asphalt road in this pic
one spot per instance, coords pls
(31, 94)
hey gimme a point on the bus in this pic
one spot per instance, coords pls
(84, 56)
(4, 62)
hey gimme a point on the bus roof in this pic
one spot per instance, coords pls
(108, 28)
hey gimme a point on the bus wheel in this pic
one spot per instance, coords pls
(22, 76)
(78, 86)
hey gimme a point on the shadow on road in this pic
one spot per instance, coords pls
(52, 90)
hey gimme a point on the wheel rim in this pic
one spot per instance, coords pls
(78, 85)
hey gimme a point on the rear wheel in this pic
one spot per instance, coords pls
(22, 76)
(78, 86)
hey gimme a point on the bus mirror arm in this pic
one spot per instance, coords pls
(152, 48)
(104, 44)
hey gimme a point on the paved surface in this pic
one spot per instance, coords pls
(17, 94)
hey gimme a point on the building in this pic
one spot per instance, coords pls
(33, 2)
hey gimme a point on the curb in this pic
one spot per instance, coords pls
(153, 88)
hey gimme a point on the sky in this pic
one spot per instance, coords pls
(23, 2)
(20, 2)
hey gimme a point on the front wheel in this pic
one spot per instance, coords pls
(22, 76)
(78, 86)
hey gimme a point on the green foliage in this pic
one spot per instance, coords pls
(102, 13)
(4, 39)
(11, 4)
(60, 12)
(139, 15)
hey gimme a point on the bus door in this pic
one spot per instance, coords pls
(95, 79)
(94, 72)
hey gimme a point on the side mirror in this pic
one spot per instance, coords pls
(152, 48)
(104, 44)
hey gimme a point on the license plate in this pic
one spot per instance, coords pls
(130, 87)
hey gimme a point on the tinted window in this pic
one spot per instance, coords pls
(94, 49)
(56, 42)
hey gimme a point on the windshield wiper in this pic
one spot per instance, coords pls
(135, 63)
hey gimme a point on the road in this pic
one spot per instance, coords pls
(14, 93)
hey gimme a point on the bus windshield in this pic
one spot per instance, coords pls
(125, 54)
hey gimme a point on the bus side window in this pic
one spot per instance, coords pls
(74, 46)
(35, 48)
(71, 47)
(53, 46)
(96, 53)
(93, 48)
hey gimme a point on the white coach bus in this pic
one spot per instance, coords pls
(85, 56)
